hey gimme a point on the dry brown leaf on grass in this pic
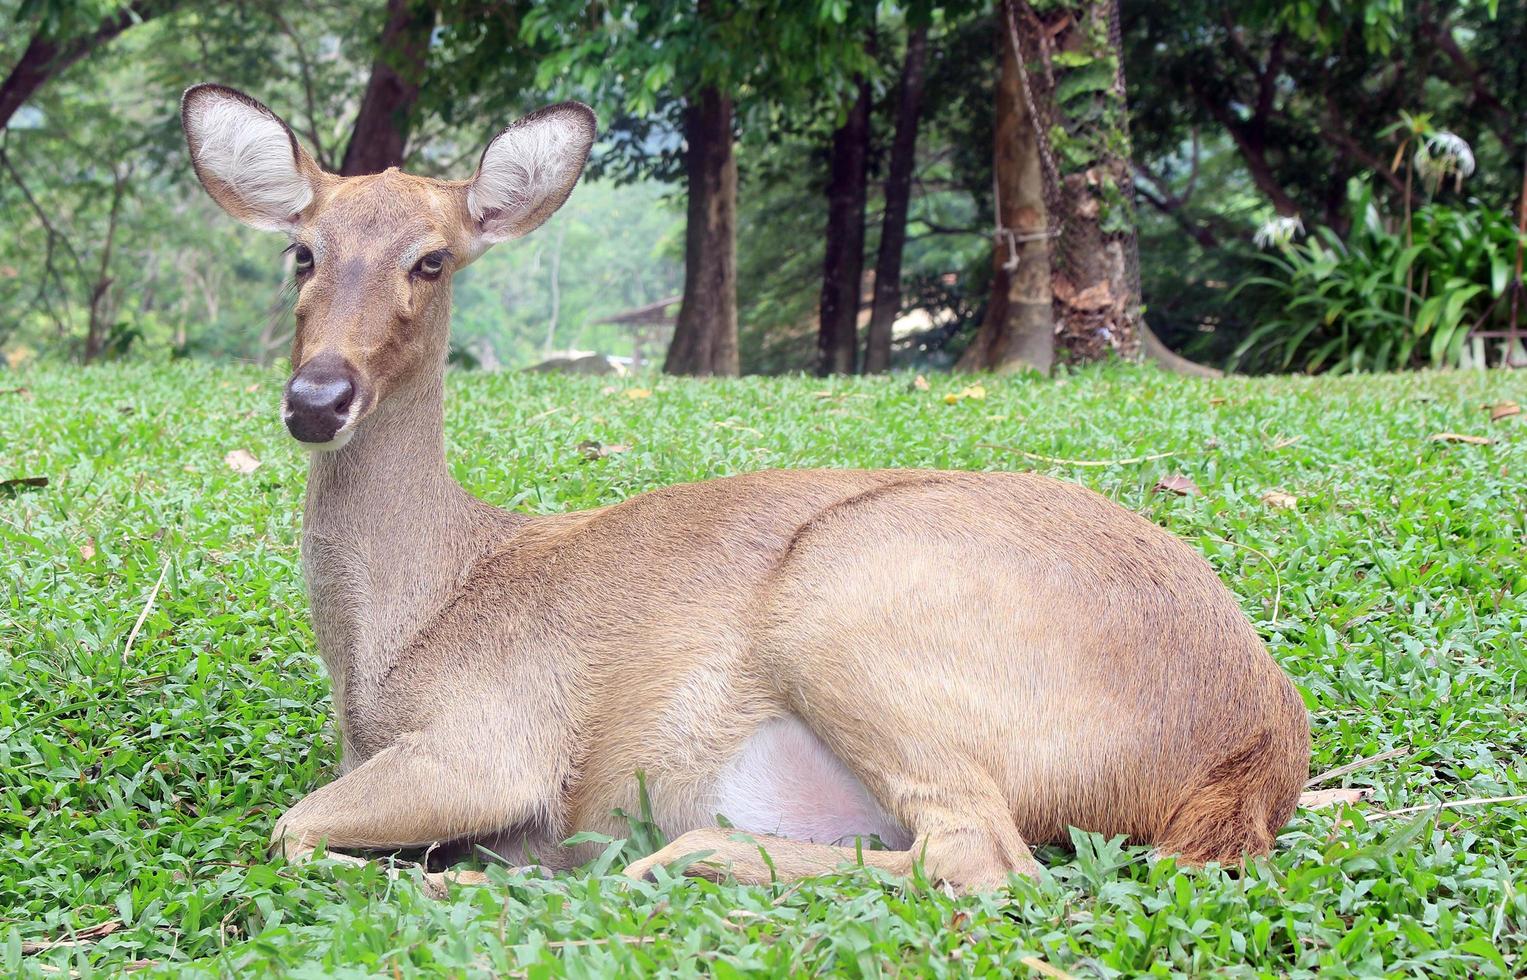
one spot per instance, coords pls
(1281, 500)
(1503, 410)
(1178, 484)
(592, 449)
(90, 935)
(87, 550)
(920, 383)
(1042, 968)
(241, 461)
(1317, 799)
(636, 393)
(1459, 437)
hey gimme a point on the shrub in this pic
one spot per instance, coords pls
(1372, 302)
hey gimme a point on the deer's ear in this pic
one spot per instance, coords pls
(528, 170)
(247, 158)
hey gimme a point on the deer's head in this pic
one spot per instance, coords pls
(374, 255)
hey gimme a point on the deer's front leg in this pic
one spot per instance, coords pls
(428, 786)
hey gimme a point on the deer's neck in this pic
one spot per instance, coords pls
(387, 537)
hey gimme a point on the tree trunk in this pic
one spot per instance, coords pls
(705, 337)
(380, 136)
(101, 313)
(1096, 277)
(1018, 331)
(46, 57)
(843, 263)
(898, 196)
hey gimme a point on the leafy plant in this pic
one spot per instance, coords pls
(1378, 300)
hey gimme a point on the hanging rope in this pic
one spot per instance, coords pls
(1012, 237)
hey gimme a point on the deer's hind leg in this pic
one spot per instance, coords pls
(790, 789)
(915, 678)
(959, 854)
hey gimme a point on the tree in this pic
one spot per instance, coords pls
(102, 251)
(1304, 91)
(380, 135)
(705, 336)
(1078, 95)
(695, 66)
(1018, 329)
(59, 39)
(898, 199)
(843, 260)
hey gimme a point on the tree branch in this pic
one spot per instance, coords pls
(306, 70)
(1173, 207)
(45, 57)
(1440, 33)
(1339, 136)
(1250, 146)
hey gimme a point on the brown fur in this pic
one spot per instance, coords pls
(997, 657)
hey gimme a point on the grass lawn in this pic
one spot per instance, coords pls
(138, 787)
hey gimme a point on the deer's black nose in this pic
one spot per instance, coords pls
(320, 398)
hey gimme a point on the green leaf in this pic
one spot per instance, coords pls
(1500, 273)
(1427, 314)
(1095, 77)
(1071, 59)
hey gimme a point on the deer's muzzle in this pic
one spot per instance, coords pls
(322, 400)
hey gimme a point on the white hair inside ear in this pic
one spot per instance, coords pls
(528, 170)
(247, 158)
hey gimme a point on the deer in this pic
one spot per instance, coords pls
(960, 666)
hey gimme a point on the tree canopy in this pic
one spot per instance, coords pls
(1224, 121)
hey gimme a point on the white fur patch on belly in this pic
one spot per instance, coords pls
(786, 782)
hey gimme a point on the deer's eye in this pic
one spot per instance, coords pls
(304, 259)
(430, 266)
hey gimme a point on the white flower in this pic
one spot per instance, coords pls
(1444, 155)
(1279, 231)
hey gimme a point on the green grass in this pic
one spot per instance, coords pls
(141, 790)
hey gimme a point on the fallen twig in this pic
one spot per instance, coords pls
(1450, 805)
(1277, 602)
(1317, 799)
(628, 940)
(536, 418)
(1076, 462)
(729, 424)
(791, 890)
(147, 606)
(80, 938)
(1340, 771)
